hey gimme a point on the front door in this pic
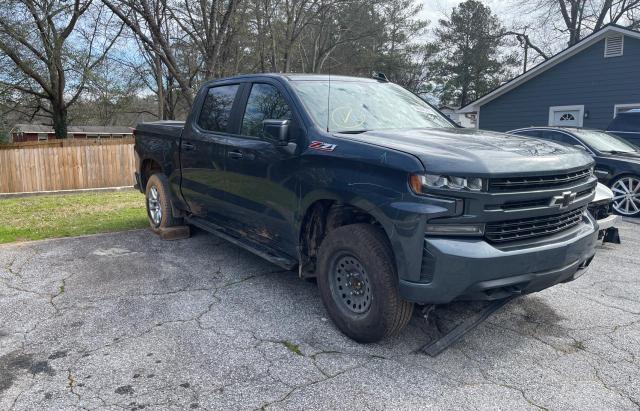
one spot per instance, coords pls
(261, 179)
(203, 152)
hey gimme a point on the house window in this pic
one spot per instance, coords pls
(566, 116)
(43, 137)
(614, 46)
(621, 108)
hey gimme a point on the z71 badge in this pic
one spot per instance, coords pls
(319, 145)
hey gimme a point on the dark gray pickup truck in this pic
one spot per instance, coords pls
(362, 185)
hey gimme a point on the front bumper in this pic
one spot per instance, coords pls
(472, 269)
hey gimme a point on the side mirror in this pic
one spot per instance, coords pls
(580, 147)
(276, 131)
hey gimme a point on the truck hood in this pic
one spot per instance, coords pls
(477, 152)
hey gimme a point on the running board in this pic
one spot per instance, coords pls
(279, 259)
(435, 348)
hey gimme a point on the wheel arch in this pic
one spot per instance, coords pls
(148, 167)
(329, 212)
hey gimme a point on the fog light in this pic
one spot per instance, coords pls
(455, 229)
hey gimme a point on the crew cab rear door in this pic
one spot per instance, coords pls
(203, 150)
(261, 176)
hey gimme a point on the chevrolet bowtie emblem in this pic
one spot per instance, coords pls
(564, 200)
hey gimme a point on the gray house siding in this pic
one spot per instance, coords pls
(586, 78)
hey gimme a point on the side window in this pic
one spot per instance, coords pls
(529, 133)
(560, 138)
(265, 103)
(216, 109)
(626, 122)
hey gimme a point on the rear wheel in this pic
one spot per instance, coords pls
(359, 285)
(159, 203)
(626, 195)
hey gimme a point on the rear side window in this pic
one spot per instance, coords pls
(265, 103)
(216, 109)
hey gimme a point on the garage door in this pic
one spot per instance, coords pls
(566, 116)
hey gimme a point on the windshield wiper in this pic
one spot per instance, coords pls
(619, 152)
(351, 131)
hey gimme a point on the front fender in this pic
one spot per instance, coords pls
(403, 219)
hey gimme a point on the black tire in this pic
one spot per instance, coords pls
(166, 219)
(387, 313)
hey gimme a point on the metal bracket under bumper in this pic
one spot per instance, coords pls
(607, 230)
(433, 349)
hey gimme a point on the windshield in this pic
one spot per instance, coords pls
(605, 142)
(358, 106)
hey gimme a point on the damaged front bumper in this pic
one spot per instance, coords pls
(473, 269)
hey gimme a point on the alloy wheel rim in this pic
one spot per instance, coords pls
(350, 285)
(626, 195)
(153, 204)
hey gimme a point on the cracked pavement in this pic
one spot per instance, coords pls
(128, 321)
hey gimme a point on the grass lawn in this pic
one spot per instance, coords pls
(65, 215)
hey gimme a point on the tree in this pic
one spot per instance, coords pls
(175, 31)
(51, 54)
(469, 62)
(400, 58)
(168, 48)
(572, 19)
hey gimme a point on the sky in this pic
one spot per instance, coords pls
(435, 10)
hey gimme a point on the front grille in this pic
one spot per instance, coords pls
(537, 182)
(527, 228)
(519, 205)
(537, 203)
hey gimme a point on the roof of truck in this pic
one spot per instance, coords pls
(302, 77)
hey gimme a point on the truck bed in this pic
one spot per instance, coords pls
(166, 128)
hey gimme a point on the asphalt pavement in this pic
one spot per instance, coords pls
(128, 321)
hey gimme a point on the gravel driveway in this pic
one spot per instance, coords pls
(128, 321)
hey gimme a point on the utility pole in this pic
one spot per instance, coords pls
(522, 38)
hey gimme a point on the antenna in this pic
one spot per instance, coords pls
(329, 99)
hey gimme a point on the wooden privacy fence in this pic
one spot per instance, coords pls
(49, 167)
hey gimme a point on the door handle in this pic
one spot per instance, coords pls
(235, 155)
(188, 146)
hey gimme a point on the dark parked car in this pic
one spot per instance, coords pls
(362, 185)
(617, 161)
(627, 126)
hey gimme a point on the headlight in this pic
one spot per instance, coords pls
(419, 182)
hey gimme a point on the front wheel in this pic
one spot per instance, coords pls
(626, 195)
(159, 203)
(359, 284)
